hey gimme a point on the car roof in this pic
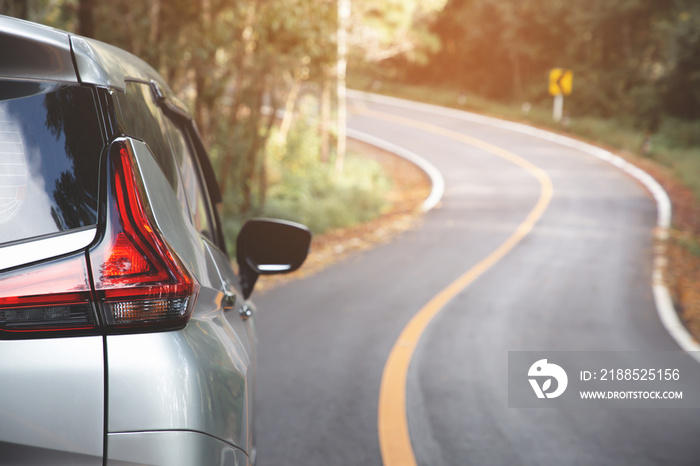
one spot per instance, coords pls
(32, 51)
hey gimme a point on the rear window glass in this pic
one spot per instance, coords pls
(50, 144)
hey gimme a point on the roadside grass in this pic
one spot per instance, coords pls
(313, 195)
(677, 146)
(690, 244)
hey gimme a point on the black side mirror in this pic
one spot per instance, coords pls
(267, 246)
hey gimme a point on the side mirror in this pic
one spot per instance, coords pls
(267, 247)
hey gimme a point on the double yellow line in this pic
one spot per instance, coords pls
(394, 438)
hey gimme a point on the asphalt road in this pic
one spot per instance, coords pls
(580, 280)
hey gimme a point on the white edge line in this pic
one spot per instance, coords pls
(436, 180)
(662, 297)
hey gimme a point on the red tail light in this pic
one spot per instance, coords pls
(53, 297)
(139, 280)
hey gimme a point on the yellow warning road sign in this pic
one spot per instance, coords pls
(560, 81)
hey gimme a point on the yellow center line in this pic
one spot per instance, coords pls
(394, 438)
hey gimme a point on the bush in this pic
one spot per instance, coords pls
(322, 202)
(305, 190)
(679, 133)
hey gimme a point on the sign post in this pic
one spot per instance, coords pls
(560, 83)
(558, 111)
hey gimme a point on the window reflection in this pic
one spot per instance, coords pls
(50, 144)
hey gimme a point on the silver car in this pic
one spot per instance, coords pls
(125, 335)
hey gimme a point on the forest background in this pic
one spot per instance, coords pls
(236, 64)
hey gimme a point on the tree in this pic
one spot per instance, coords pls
(630, 56)
(384, 29)
(231, 61)
(682, 79)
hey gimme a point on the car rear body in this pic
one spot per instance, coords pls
(125, 335)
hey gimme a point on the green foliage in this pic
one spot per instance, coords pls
(303, 189)
(682, 83)
(690, 244)
(231, 62)
(636, 70)
(677, 145)
(386, 29)
(677, 133)
(323, 203)
(60, 14)
(234, 63)
(636, 57)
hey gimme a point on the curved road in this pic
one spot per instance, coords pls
(578, 280)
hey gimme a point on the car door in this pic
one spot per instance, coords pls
(200, 192)
(194, 381)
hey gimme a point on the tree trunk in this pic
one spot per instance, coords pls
(202, 68)
(262, 180)
(154, 33)
(201, 107)
(86, 18)
(16, 8)
(289, 109)
(517, 78)
(325, 120)
(343, 17)
(251, 157)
